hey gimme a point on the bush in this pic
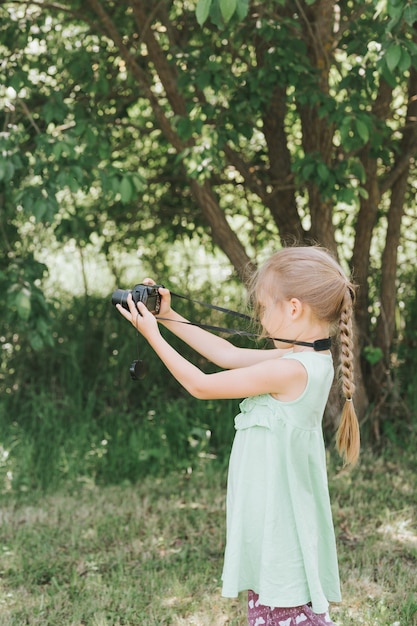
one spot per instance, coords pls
(72, 412)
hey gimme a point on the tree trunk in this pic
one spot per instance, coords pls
(366, 221)
(317, 131)
(385, 328)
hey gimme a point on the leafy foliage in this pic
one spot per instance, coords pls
(70, 412)
(135, 125)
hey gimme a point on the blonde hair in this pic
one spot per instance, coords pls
(313, 275)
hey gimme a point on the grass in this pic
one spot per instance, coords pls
(151, 554)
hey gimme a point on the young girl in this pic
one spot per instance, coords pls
(280, 539)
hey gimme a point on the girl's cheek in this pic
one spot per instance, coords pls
(266, 322)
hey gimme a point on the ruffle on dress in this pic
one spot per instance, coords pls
(256, 411)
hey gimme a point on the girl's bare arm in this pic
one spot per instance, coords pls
(276, 375)
(215, 348)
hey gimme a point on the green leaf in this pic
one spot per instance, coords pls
(242, 8)
(58, 148)
(358, 171)
(411, 47)
(6, 170)
(346, 195)
(405, 61)
(322, 172)
(410, 14)
(216, 15)
(307, 171)
(39, 209)
(345, 128)
(90, 137)
(36, 341)
(363, 130)
(202, 10)
(18, 80)
(23, 304)
(203, 79)
(394, 11)
(393, 56)
(126, 190)
(54, 110)
(373, 354)
(139, 182)
(227, 8)
(77, 172)
(185, 128)
(386, 73)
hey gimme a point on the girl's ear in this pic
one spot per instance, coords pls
(296, 308)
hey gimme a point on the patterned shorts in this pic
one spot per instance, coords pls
(260, 615)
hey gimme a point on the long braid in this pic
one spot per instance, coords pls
(348, 436)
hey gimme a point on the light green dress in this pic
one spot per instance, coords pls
(280, 535)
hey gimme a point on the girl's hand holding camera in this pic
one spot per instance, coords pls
(139, 315)
(165, 306)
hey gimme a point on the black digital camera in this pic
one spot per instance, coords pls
(148, 294)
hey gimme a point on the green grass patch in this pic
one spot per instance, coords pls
(151, 553)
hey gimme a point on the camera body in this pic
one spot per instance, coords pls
(148, 294)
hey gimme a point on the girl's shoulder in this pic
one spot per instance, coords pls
(311, 357)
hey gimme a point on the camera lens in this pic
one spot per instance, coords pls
(120, 297)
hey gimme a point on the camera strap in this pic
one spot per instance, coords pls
(319, 345)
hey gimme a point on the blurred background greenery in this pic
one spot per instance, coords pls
(187, 141)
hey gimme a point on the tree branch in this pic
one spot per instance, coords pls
(166, 73)
(138, 73)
